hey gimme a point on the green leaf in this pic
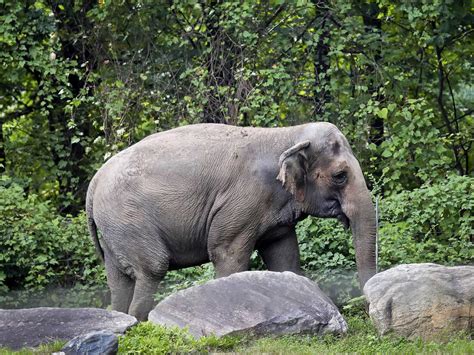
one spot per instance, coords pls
(383, 113)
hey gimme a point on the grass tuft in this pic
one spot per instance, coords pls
(147, 338)
(43, 349)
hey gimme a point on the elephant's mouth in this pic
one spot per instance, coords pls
(344, 220)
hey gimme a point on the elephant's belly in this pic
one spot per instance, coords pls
(192, 254)
(183, 261)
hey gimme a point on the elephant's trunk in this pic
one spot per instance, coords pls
(361, 213)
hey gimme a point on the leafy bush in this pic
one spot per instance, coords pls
(415, 154)
(147, 338)
(176, 280)
(327, 257)
(40, 247)
(434, 223)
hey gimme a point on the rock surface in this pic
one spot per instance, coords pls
(34, 326)
(103, 342)
(422, 300)
(252, 302)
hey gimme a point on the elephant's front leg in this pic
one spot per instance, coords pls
(231, 256)
(281, 253)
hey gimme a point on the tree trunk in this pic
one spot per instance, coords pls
(372, 23)
(2, 150)
(220, 68)
(321, 68)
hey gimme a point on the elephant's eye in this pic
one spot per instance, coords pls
(339, 178)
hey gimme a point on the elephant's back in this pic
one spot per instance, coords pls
(204, 134)
(181, 167)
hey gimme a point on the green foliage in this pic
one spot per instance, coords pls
(83, 80)
(147, 338)
(327, 257)
(417, 152)
(177, 280)
(434, 223)
(39, 78)
(48, 348)
(355, 307)
(39, 247)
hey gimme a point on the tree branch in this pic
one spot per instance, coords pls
(444, 113)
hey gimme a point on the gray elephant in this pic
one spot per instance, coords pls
(211, 192)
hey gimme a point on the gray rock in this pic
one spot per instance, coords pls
(422, 300)
(103, 342)
(252, 302)
(34, 326)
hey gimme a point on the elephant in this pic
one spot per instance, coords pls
(215, 192)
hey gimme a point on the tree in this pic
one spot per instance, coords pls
(80, 81)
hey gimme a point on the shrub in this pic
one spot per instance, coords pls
(177, 280)
(147, 338)
(434, 223)
(39, 247)
(327, 257)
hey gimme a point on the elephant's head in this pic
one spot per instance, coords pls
(323, 175)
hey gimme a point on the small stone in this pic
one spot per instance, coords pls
(422, 300)
(102, 342)
(254, 303)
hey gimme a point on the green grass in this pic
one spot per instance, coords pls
(361, 338)
(42, 349)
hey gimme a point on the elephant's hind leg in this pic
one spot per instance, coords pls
(121, 287)
(142, 302)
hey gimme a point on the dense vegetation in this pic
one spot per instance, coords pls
(81, 80)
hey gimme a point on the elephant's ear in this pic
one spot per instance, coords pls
(293, 167)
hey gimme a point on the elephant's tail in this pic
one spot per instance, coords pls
(90, 220)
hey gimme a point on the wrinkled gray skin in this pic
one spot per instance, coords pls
(213, 192)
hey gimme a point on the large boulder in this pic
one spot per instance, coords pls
(34, 326)
(253, 302)
(422, 300)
